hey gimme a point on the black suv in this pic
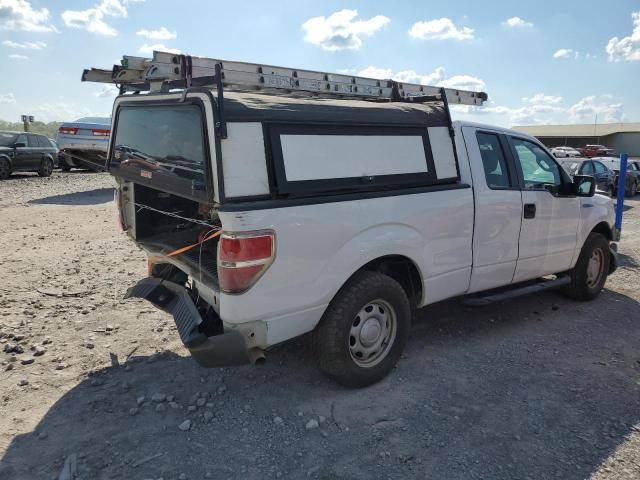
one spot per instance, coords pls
(26, 152)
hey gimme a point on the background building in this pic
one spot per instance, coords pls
(622, 137)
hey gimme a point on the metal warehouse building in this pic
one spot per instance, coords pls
(622, 137)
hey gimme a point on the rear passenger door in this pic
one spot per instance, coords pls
(35, 151)
(498, 209)
(548, 237)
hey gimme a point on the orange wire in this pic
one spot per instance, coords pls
(189, 247)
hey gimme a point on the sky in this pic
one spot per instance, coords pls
(540, 62)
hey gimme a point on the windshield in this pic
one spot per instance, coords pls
(162, 144)
(7, 139)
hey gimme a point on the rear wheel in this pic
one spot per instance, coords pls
(611, 191)
(364, 330)
(5, 169)
(590, 273)
(46, 167)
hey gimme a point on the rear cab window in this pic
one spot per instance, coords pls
(493, 160)
(162, 146)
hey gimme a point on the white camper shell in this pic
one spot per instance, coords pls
(274, 202)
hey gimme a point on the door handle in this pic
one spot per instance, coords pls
(529, 210)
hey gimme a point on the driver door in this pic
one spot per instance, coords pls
(22, 159)
(548, 236)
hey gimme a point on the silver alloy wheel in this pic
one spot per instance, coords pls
(595, 267)
(372, 333)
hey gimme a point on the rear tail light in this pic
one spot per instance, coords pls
(243, 258)
(100, 132)
(68, 130)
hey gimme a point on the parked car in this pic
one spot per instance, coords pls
(595, 151)
(605, 178)
(565, 152)
(84, 143)
(26, 152)
(632, 181)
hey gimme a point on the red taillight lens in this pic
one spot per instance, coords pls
(243, 259)
(98, 132)
(68, 130)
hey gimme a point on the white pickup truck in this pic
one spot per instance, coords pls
(268, 215)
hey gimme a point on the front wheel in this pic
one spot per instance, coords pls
(590, 273)
(364, 330)
(46, 167)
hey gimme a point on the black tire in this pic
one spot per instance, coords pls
(583, 284)
(631, 191)
(5, 169)
(64, 166)
(611, 191)
(46, 167)
(333, 338)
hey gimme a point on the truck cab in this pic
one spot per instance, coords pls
(268, 215)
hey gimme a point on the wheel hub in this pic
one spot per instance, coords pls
(594, 268)
(372, 333)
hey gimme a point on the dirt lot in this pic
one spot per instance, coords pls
(537, 388)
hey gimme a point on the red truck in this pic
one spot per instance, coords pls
(595, 151)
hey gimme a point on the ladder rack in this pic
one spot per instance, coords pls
(167, 71)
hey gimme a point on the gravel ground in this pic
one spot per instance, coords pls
(542, 387)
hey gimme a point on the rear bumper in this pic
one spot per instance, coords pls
(74, 143)
(226, 349)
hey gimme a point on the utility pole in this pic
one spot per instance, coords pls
(26, 120)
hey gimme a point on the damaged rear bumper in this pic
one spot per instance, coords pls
(226, 349)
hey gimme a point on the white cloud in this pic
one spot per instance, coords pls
(17, 56)
(439, 29)
(626, 48)
(19, 15)
(436, 78)
(341, 30)
(91, 19)
(516, 22)
(566, 53)
(546, 109)
(7, 98)
(541, 98)
(148, 49)
(107, 91)
(25, 45)
(604, 107)
(62, 111)
(161, 33)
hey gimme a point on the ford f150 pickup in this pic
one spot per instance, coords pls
(268, 214)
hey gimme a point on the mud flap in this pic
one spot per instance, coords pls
(226, 349)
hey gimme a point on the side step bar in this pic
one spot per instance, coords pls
(515, 292)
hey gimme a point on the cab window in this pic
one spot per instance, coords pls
(493, 161)
(22, 139)
(537, 169)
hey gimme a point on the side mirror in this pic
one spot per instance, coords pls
(584, 186)
(19, 145)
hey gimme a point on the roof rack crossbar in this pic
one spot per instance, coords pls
(170, 70)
